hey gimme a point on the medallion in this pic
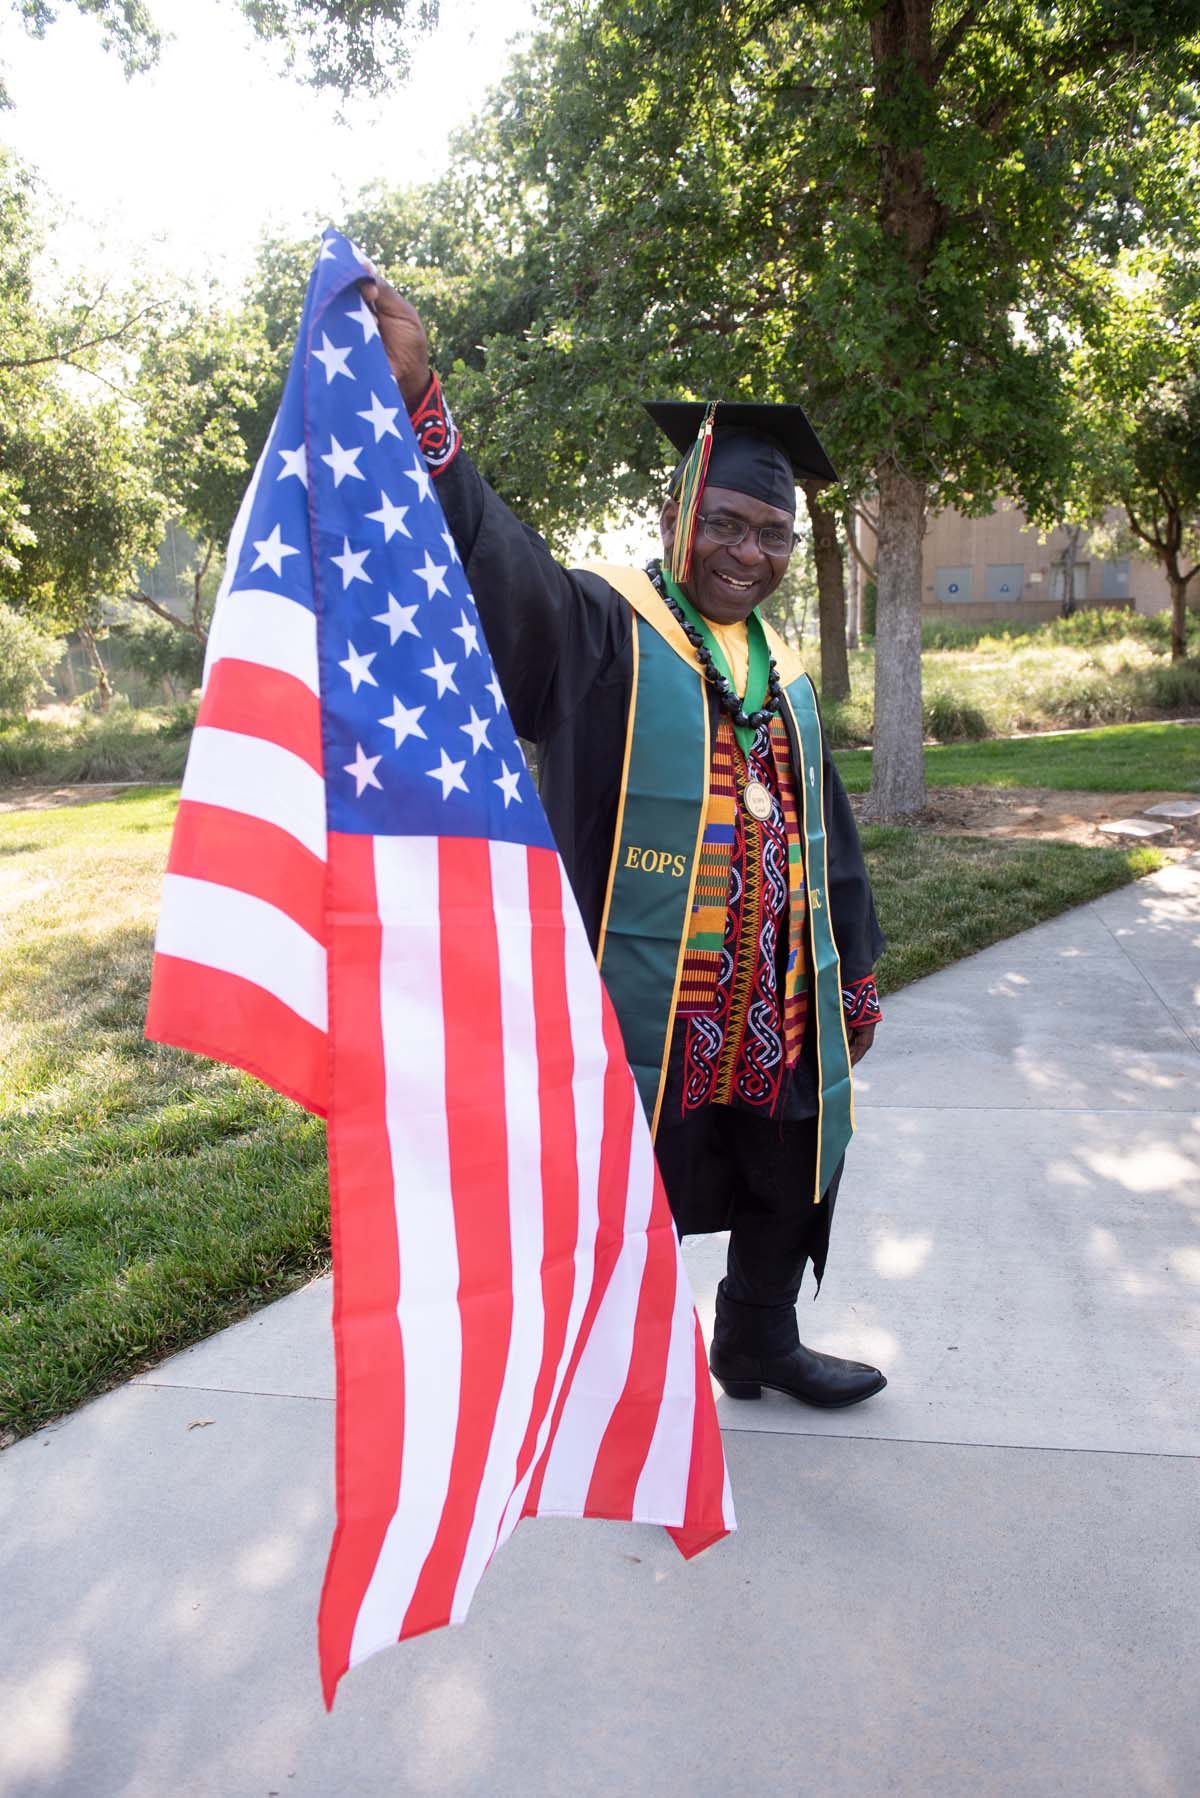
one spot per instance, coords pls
(757, 800)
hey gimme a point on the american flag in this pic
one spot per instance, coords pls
(364, 907)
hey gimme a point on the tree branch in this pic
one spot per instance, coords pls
(64, 354)
(1155, 541)
(953, 38)
(161, 611)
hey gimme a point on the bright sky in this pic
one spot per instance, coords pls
(189, 163)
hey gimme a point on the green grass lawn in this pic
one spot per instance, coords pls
(1124, 758)
(148, 1197)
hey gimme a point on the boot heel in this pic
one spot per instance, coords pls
(740, 1388)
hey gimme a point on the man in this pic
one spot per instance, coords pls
(707, 836)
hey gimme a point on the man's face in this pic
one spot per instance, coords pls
(728, 580)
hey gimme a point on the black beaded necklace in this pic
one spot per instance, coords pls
(722, 687)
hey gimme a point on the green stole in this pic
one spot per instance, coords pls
(660, 822)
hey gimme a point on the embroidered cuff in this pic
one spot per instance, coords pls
(437, 433)
(860, 1002)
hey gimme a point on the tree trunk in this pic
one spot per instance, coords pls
(1178, 586)
(853, 584)
(103, 684)
(831, 594)
(898, 765)
(1070, 556)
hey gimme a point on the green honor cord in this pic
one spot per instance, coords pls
(759, 664)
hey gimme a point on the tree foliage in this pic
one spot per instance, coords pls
(27, 656)
(346, 45)
(209, 386)
(1139, 390)
(77, 509)
(882, 207)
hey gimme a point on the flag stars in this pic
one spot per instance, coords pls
(420, 474)
(398, 618)
(507, 784)
(451, 546)
(332, 359)
(443, 674)
(294, 462)
(271, 552)
(351, 564)
(381, 418)
(450, 775)
(343, 462)
(363, 769)
(358, 667)
(469, 633)
(404, 721)
(477, 730)
(493, 687)
(391, 517)
(434, 576)
(363, 316)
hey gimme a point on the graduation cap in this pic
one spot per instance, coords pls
(759, 450)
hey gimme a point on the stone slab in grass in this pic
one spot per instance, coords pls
(1175, 808)
(1135, 827)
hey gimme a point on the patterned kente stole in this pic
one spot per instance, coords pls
(740, 1031)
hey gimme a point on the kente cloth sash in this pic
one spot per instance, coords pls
(710, 901)
(656, 855)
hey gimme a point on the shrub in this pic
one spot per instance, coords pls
(26, 657)
(122, 745)
(847, 722)
(1177, 686)
(949, 719)
(160, 651)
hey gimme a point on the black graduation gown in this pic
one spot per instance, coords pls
(562, 642)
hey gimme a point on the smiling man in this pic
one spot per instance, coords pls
(707, 837)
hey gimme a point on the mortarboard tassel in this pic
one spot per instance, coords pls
(691, 486)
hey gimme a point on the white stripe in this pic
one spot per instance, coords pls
(604, 1365)
(239, 934)
(260, 778)
(662, 1488)
(591, 1062)
(256, 626)
(406, 878)
(237, 537)
(510, 889)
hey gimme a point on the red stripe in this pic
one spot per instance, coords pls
(626, 1442)
(477, 1134)
(619, 1100)
(556, 1113)
(231, 849)
(263, 702)
(703, 1517)
(209, 1012)
(366, 1263)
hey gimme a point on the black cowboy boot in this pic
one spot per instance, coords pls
(759, 1345)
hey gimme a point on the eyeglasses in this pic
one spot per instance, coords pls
(772, 539)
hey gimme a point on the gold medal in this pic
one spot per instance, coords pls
(757, 800)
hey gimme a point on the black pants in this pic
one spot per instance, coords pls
(726, 1169)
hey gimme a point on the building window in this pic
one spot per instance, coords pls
(952, 586)
(1005, 581)
(1114, 579)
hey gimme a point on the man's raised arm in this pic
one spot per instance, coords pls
(551, 632)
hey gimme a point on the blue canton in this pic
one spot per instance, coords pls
(417, 737)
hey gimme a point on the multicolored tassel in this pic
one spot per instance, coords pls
(691, 486)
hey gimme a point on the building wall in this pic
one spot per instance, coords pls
(977, 569)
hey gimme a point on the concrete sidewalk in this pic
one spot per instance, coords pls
(987, 1580)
